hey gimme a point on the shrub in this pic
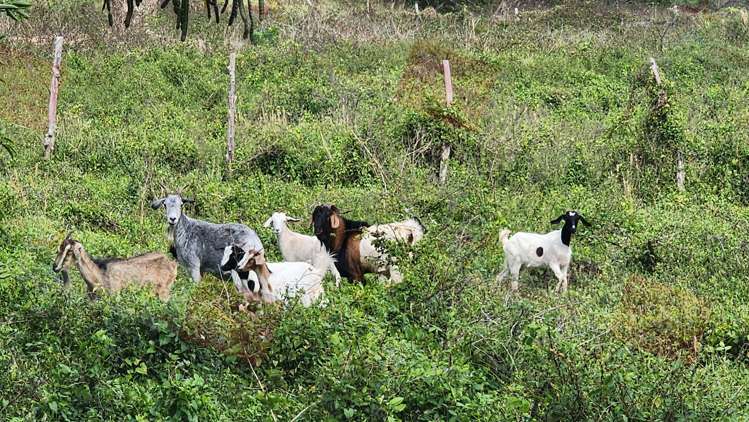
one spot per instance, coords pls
(661, 319)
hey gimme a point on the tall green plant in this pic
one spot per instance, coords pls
(182, 10)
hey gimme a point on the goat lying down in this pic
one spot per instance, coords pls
(287, 279)
(355, 243)
(112, 275)
(536, 250)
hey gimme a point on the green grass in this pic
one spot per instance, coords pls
(553, 112)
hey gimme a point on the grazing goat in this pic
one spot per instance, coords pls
(199, 245)
(112, 275)
(535, 250)
(297, 247)
(409, 231)
(353, 243)
(288, 279)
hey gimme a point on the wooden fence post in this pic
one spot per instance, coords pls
(448, 82)
(49, 138)
(656, 72)
(680, 174)
(232, 111)
(445, 156)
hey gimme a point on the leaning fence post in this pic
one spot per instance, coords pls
(232, 100)
(49, 138)
(445, 156)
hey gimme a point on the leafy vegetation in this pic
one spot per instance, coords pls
(338, 103)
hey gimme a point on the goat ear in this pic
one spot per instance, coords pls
(156, 203)
(188, 201)
(294, 219)
(557, 220)
(68, 236)
(267, 222)
(259, 258)
(335, 222)
(583, 220)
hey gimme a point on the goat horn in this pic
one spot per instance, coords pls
(70, 233)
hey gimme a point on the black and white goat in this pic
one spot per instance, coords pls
(287, 279)
(537, 250)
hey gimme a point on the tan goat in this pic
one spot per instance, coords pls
(112, 275)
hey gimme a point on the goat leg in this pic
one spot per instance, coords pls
(223, 8)
(208, 9)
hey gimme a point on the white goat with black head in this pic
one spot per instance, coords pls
(287, 278)
(199, 245)
(297, 247)
(537, 250)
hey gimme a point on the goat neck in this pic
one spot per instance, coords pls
(338, 236)
(567, 233)
(90, 272)
(178, 232)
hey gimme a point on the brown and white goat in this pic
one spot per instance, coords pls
(354, 242)
(112, 275)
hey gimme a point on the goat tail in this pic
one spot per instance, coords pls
(504, 235)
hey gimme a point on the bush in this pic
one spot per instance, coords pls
(661, 319)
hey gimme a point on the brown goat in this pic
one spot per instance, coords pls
(354, 242)
(342, 237)
(112, 275)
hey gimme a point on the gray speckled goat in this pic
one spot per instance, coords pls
(199, 245)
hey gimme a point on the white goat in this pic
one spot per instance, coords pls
(536, 250)
(372, 254)
(408, 231)
(287, 279)
(297, 247)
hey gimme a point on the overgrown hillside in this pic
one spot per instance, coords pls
(555, 109)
